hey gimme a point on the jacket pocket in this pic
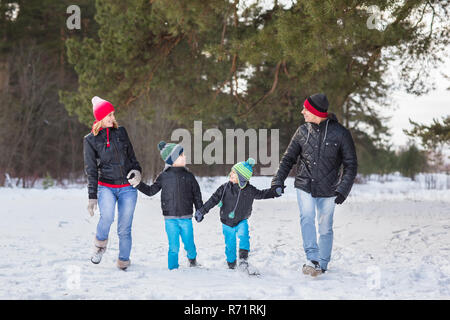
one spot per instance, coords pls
(166, 202)
(331, 149)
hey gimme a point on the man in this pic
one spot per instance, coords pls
(320, 146)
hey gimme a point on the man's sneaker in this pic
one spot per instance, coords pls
(312, 268)
(232, 265)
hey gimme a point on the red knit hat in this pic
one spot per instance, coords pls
(101, 108)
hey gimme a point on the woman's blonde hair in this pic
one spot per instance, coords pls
(96, 127)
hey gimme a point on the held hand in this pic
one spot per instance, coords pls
(134, 178)
(279, 190)
(92, 206)
(199, 216)
(339, 198)
(276, 191)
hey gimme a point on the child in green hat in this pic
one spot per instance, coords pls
(235, 199)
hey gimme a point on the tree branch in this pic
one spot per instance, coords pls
(274, 85)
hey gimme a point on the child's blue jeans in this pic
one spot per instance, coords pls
(176, 228)
(230, 233)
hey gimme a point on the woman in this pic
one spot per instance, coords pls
(108, 157)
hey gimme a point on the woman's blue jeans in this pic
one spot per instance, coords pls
(125, 198)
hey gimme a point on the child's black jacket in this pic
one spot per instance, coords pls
(244, 206)
(180, 191)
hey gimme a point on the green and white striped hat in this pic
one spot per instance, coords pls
(169, 151)
(244, 170)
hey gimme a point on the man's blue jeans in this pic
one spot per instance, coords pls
(174, 229)
(125, 198)
(230, 234)
(325, 209)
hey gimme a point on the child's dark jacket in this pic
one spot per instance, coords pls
(244, 206)
(180, 192)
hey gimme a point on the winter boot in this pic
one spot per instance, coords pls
(123, 265)
(312, 268)
(99, 250)
(193, 263)
(232, 265)
(243, 259)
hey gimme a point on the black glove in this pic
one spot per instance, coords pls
(339, 198)
(275, 191)
(199, 216)
(278, 189)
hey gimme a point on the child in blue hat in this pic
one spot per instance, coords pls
(235, 200)
(180, 192)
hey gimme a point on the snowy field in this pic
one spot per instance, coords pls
(392, 241)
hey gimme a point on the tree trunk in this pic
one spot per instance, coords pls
(4, 76)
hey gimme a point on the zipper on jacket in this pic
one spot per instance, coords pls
(302, 165)
(320, 146)
(318, 157)
(118, 159)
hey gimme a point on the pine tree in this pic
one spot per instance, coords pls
(253, 67)
(37, 136)
(411, 161)
(434, 135)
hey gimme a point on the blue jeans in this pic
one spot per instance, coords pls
(230, 233)
(325, 210)
(174, 229)
(126, 202)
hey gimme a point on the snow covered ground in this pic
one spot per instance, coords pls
(392, 241)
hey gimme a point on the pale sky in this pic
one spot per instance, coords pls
(435, 104)
(422, 109)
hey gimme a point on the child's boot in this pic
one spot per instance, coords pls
(243, 258)
(243, 263)
(193, 263)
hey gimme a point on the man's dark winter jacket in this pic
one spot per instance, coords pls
(320, 150)
(243, 209)
(108, 164)
(180, 191)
